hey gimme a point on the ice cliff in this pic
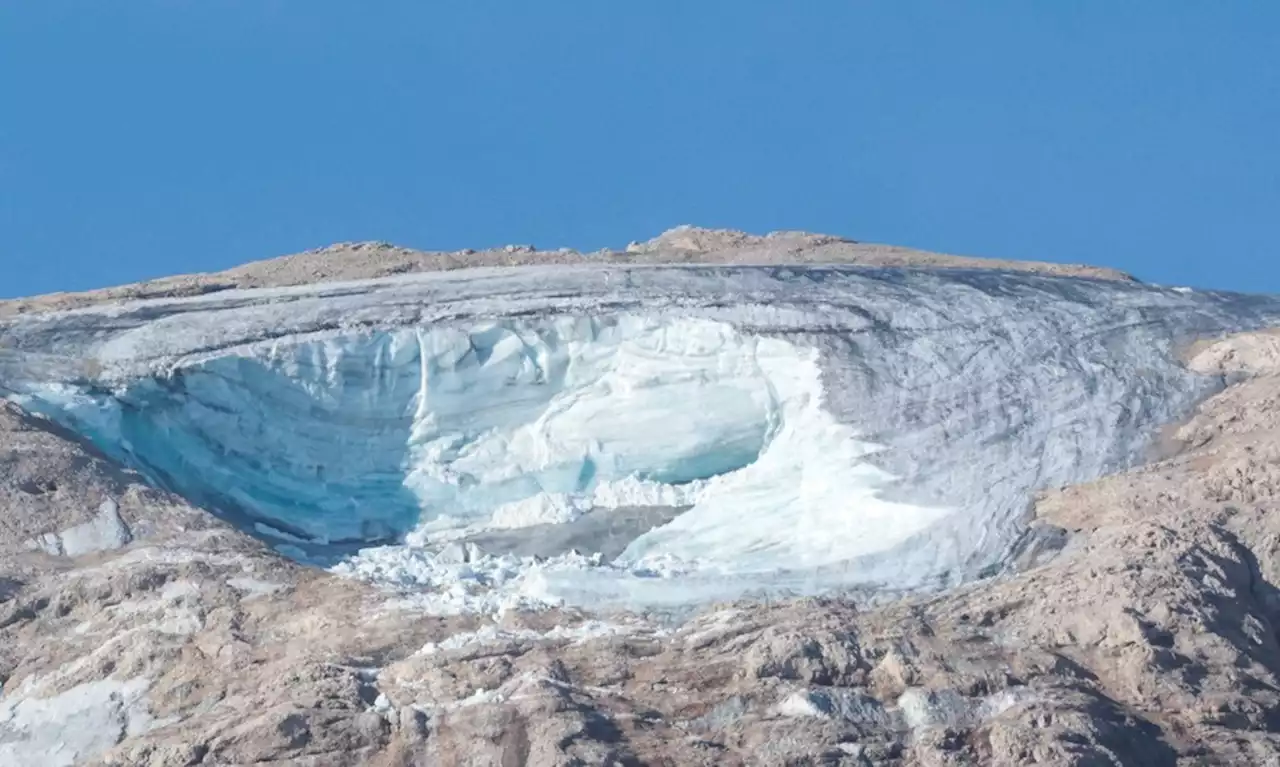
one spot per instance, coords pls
(795, 429)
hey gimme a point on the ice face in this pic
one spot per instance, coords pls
(363, 438)
(784, 429)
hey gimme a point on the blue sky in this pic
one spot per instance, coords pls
(151, 137)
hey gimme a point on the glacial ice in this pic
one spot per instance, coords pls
(504, 424)
(811, 428)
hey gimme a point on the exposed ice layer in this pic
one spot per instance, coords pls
(499, 424)
(484, 399)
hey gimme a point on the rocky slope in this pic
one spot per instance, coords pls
(1139, 627)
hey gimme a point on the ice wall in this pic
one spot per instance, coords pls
(467, 427)
(819, 427)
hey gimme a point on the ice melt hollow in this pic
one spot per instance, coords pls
(418, 435)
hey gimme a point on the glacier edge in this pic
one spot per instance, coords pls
(979, 387)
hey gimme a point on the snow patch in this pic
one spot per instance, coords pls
(105, 532)
(74, 726)
(802, 705)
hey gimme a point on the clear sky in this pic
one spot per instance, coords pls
(150, 137)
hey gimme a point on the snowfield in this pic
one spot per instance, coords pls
(634, 436)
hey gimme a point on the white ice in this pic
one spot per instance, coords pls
(675, 400)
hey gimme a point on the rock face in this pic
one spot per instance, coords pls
(1139, 626)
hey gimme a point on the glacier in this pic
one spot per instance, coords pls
(734, 429)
